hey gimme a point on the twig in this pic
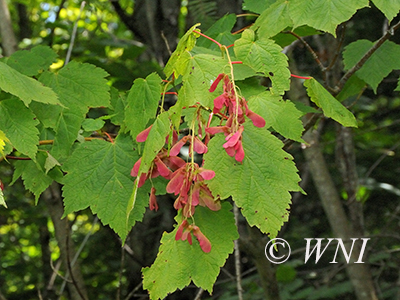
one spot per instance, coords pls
(366, 56)
(199, 293)
(237, 257)
(129, 296)
(121, 270)
(309, 48)
(380, 159)
(67, 237)
(73, 35)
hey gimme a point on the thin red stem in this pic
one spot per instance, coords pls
(109, 137)
(301, 77)
(207, 37)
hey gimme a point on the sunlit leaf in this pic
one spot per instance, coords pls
(19, 125)
(324, 15)
(24, 87)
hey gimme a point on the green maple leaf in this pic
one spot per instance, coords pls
(274, 19)
(202, 70)
(264, 56)
(383, 61)
(324, 15)
(32, 62)
(178, 263)
(142, 103)
(19, 125)
(24, 87)
(331, 107)
(261, 184)
(281, 115)
(390, 8)
(98, 176)
(79, 87)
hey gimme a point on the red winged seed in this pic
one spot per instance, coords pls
(205, 244)
(153, 200)
(142, 136)
(215, 83)
(257, 120)
(199, 146)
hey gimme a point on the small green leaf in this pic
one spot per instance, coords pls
(221, 31)
(178, 60)
(266, 57)
(142, 103)
(19, 125)
(384, 60)
(281, 115)
(261, 184)
(33, 176)
(98, 176)
(154, 143)
(398, 86)
(352, 87)
(331, 107)
(178, 263)
(24, 87)
(50, 163)
(390, 8)
(325, 15)
(274, 19)
(92, 124)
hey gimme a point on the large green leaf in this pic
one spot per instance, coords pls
(261, 184)
(19, 125)
(202, 70)
(331, 107)
(24, 87)
(32, 62)
(325, 15)
(281, 115)
(384, 60)
(178, 263)
(79, 87)
(274, 19)
(142, 103)
(390, 8)
(264, 56)
(98, 176)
